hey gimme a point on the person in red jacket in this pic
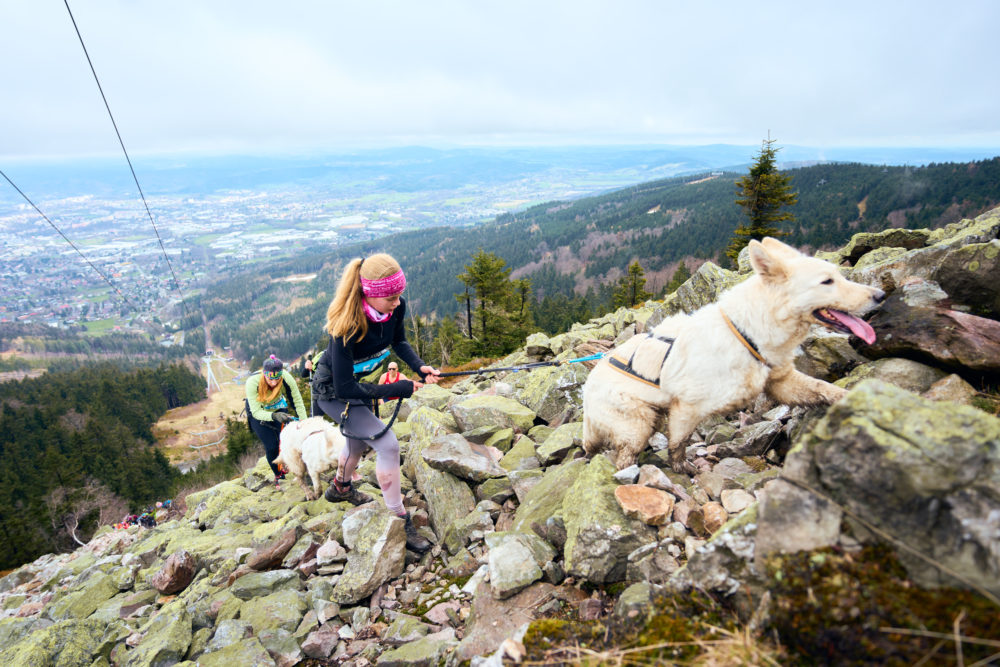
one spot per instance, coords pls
(391, 375)
(364, 320)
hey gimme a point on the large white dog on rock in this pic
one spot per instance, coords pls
(723, 355)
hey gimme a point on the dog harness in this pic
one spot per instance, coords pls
(623, 366)
(743, 338)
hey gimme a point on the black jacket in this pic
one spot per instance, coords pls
(334, 376)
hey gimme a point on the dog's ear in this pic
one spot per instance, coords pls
(767, 264)
(776, 247)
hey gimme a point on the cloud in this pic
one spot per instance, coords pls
(254, 75)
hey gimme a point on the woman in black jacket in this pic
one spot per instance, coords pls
(364, 320)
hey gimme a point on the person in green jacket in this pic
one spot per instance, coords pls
(269, 396)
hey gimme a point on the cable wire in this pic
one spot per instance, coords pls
(101, 273)
(177, 286)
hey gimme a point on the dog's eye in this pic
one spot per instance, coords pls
(828, 281)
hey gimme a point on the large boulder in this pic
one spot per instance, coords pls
(71, 642)
(541, 509)
(925, 474)
(516, 561)
(165, 639)
(449, 499)
(599, 537)
(452, 453)
(703, 288)
(379, 554)
(968, 275)
(911, 325)
(495, 411)
(555, 393)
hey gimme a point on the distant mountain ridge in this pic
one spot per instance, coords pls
(565, 246)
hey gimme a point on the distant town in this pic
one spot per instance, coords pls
(43, 279)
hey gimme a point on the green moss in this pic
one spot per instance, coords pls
(756, 463)
(549, 634)
(832, 608)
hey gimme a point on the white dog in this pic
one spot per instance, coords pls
(723, 355)
(312, 445)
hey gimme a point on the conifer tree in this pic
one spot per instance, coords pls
(680, 276)
(502, 313)
(763, 192)
(630, 289)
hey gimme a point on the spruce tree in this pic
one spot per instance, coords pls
(630, 289)
(680, 276)
(763, 192)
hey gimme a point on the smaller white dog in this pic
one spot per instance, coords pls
(312, 445)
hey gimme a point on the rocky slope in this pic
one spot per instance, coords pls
(534, 541)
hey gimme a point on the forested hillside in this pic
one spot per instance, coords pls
(77, 443)
(40, 346)
(568, 248)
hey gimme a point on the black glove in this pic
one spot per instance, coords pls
(281, 417)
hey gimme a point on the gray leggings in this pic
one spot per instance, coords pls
(362, 422)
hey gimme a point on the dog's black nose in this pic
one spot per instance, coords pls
(878, 296)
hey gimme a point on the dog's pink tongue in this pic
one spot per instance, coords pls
(858, 326)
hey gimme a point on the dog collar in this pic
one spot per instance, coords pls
(743, 338)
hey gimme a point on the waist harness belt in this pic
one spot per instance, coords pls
(623, 366)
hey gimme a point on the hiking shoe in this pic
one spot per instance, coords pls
(277, 484)
(414, 540)
(337, 493)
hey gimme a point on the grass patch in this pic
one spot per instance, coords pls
(100, 327)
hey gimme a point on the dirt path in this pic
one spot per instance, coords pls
(183, 433)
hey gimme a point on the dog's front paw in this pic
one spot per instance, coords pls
(684, 467)
(311, 495)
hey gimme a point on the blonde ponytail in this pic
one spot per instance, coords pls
(345, 318)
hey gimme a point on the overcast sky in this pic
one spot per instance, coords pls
(246, 76)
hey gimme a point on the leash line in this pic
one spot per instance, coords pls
(524, 367)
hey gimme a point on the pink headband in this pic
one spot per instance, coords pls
(383, 287)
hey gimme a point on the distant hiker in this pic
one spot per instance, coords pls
(364, 320)
(390, 376)
(308, 368)
(269, 395)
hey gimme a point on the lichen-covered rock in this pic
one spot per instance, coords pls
(599, 537)
(725, 563)
(545, 500)
(279, 610)
(452, 453)
(555, 447)
(165, 639)
(864, 242)
(449, 499)
(83, 602)
(220, 502)
(523, 448)
(516, 561)
(257, 584)
(827, 355)
(424, 652)
(72, 642)
(248, 651)
(405, 629)
(379, 555)
(477, 411)
(431, 395)
(926, 473)
(903, 373)
(555, 393)
(460, 532)
(703, 288)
